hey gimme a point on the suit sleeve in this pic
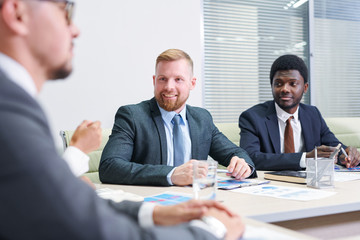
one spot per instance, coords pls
(253, 138)
(116, 165)
(41, 199)
(222, 149)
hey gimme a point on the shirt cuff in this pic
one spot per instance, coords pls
(252, 169)
(206, 227)
(145, 215)
(77, 160)
(303, 160)
(168, 177)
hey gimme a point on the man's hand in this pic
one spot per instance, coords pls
(322, 151)
(183, 174)
(353, 158)
(87, 136)
(187, 211)
(88, 181)
(233, 223)
(238, 168)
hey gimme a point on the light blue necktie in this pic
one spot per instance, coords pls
(178, 141)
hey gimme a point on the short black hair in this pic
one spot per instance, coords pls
(289, 62)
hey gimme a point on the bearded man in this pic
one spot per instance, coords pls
(156, 141)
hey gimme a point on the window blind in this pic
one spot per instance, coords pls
(336, 70)
(241, 41)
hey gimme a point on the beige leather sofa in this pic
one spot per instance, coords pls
(95, 156)
(347, 130)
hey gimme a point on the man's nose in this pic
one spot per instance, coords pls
(170, 84)
(75, 31)
(285, 88)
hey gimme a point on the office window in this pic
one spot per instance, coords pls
(241, 41)
(336, 67)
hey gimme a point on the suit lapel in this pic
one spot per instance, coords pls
(156, 115)
(306, 129)
(272, 125)
(193, 130)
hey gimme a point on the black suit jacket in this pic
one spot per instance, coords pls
(136, 152)
(40, 198)
(260, 136)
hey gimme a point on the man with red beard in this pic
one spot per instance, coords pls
(142, 149)
(40, 197)
(264, 126)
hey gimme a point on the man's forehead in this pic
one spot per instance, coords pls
(290, 72)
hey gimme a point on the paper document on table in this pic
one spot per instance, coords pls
(257, 233)
(231, 183)
(346, 176)
(118, 195)
(168, 198)
(291, 193)
(339, 168)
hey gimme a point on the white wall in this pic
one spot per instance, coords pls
(115, 57)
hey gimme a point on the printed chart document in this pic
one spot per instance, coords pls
(339, 168)
(231, 183)
(168, 198)
(291, 193)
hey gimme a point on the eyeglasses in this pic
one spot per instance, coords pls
(69, 8)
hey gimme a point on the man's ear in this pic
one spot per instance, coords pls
(15, 15)
(193, 83)
(306, 86)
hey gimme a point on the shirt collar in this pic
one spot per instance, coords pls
(168, 116)
(283, 116)
(18, 74)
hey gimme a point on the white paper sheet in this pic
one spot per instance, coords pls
(346, 176)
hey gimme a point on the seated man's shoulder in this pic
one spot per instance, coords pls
(261, 109)
(141, 107)
(309, 108)
(197, 111)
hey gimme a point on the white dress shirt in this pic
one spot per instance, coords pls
(168, 125)
(297, 131)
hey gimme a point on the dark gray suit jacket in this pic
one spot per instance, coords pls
(136, 152)
(39, 196)
(260, 136)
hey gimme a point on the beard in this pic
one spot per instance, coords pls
(286, 107)
(60, 73)
(169, 105)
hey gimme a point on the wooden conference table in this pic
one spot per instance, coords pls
(334, 217)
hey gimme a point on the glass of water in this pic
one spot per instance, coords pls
(204, 179)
